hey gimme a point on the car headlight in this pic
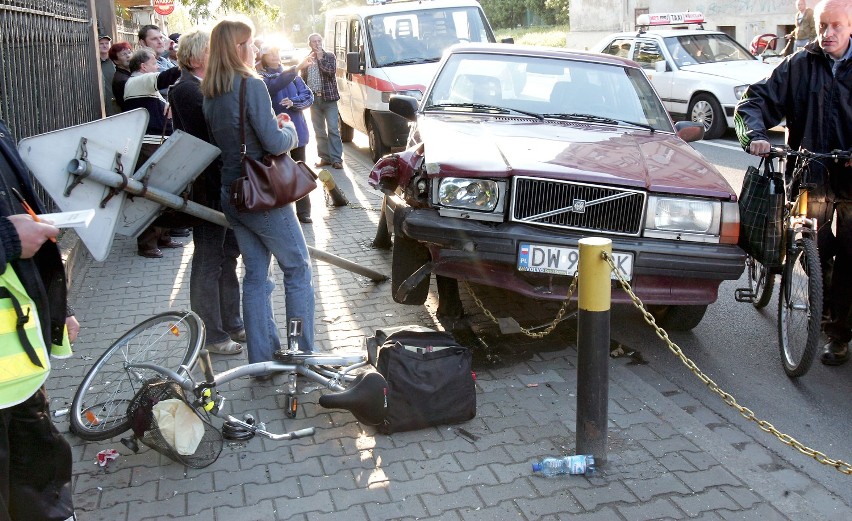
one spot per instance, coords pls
(683, 218)
(468, 194)
(413, 93)
(739, 91)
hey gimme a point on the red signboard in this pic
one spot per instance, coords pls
(164, 7)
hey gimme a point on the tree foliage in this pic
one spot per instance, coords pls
(200, 9)
(514, 13)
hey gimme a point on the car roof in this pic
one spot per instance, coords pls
(542, 52)
(396, 7)
(664, 33)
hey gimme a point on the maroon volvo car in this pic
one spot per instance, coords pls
(516, 153)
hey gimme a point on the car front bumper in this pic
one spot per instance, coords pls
(664, 271)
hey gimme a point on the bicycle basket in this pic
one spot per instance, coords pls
(146, 429)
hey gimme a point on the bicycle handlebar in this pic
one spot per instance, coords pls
(783, 151)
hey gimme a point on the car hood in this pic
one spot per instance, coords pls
(504, 147)
(740, 72)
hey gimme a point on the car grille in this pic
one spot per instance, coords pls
(577, 206)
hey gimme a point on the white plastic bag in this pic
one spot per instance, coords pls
(179, 425)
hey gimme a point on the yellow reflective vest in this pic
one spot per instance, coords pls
(24, 357)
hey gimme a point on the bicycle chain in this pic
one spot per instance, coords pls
(745, 412)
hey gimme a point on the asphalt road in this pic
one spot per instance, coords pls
(736, 345)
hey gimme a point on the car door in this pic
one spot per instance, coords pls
(652, 58)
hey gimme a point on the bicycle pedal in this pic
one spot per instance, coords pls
(744, 295)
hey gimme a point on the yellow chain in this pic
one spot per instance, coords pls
(746, 413)
(529, 332)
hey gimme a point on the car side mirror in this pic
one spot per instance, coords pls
(507, 40)
(353, 63)
(405, 106)
(661, 66)
(689, 131)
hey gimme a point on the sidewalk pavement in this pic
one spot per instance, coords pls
(669, 458)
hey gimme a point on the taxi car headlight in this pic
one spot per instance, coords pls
(739, 91)
(682, 218)
(468, 194)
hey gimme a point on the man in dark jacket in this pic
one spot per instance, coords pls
(813, 91)
(35, 460)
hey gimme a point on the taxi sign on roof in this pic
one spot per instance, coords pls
(693, 17)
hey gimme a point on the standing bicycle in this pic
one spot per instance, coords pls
(800, 300)
(812, 91)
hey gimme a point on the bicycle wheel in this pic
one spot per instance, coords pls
(761, 283)
(800, 307)
(99, 408)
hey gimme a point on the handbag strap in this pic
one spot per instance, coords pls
(243, 119)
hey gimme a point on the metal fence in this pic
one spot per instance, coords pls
(48, 65)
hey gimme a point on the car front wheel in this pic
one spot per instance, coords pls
(678, 318)
(377, 148)
(346, 132)
(705, 109)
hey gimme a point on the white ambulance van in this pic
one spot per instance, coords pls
(393, 48)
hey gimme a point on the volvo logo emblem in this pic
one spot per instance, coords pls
(579, 206)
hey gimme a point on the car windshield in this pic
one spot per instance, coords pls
(548, 88)
(422, 36)
(705, 48)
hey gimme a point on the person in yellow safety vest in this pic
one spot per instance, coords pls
(35, 324)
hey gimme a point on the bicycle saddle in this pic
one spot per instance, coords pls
(366, 399)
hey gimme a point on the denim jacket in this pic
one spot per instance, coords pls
(262, 133)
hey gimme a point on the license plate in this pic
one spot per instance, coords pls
(561, 260)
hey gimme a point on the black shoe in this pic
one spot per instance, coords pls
(835, 353)
(169, 244)
(179, 232)
(305, 219)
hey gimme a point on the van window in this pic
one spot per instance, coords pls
(422, 36)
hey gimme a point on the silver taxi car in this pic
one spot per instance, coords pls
(699, 74)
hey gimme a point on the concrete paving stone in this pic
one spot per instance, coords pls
(756, 453)
(143, 510)
(604, 493)
(676, 461)
(337, 481)
(280, 471)
(823, 502)
(791, 479)
(423, 467)
(663, 430)
(111, 496)
(493, 495)
(540, 378)
(114, 513)
(197, 502)
(407, 489)
(394, 472)
(665, 446)
(286, 488)
(354, 513)
(287, 507)
(388, 455)
(90, 482)
(504, 510)
(265, 510)
(761, 512)
(558, 503)
(344, 498)
(477, 458)
(665, 484)
(302, 453)
(168, 488)
(743, 496)
(453, 481)
(627, 420)
(729, 433)
(334, 464)
(659, 508)
(700, 460)
(520, 419)
(712, 477)
(438, 503)
(708, 500)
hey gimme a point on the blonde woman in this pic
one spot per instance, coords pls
(264, 234)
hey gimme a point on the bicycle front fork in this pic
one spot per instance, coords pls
(294, 333)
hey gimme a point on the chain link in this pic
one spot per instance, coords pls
(529, 332)
(330, 204)
(746, 413)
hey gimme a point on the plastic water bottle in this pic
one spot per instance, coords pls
(580, 464)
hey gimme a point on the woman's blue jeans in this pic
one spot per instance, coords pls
(260, 236)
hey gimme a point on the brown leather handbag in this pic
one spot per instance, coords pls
(272, 182)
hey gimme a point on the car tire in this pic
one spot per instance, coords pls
(377, 147)
(407, 256)
(705, 109)
(346, 132)
(678, 318)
